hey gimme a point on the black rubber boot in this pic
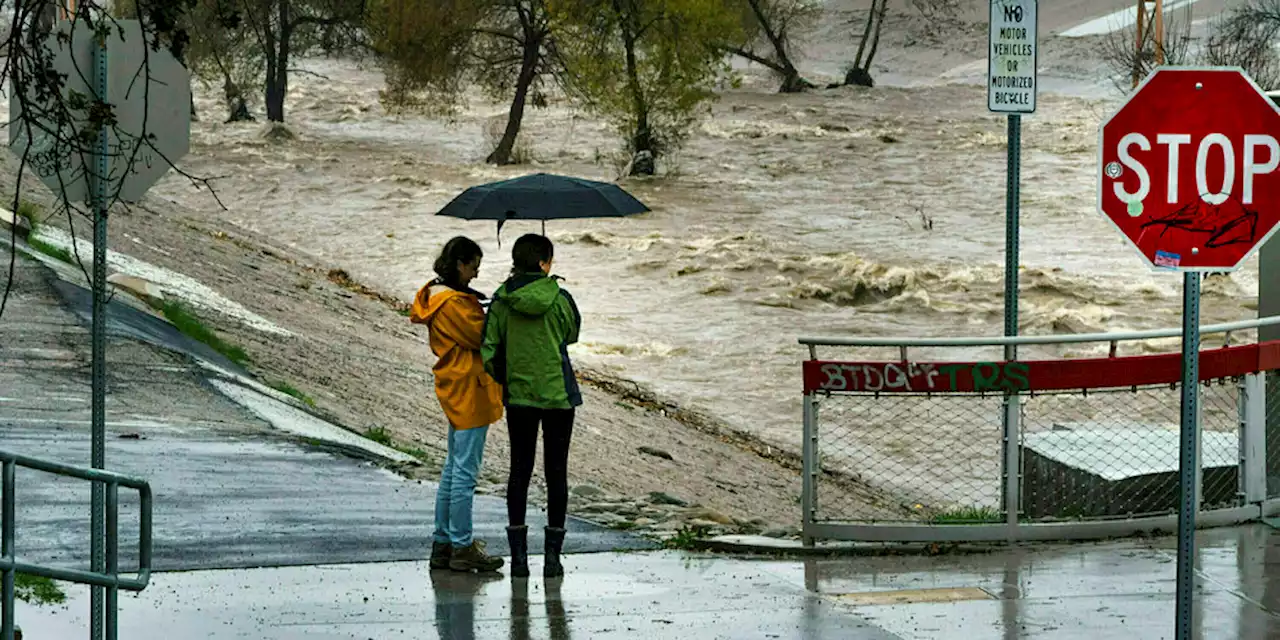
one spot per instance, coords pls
(518, 538)
(555, 542)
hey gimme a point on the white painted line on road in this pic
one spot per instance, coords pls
(1111, 23)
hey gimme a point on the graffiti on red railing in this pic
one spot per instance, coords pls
(1033, 375)
(911, 376)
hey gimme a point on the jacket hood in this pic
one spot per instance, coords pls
(431, 299)
(530, 294)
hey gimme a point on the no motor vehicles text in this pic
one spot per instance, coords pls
(1001, 49)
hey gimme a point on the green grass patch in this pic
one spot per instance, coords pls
(687, 537)
(379, 435)
(624, 525)
(38, 591)
(31, 211)
(192, 327)
(968, 515)
(290, 390)
(417, 453)
(57, 253)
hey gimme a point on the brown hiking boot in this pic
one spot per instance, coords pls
(440, 554)
(473, 558)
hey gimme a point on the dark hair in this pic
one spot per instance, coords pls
(529, 252)
(459, 249)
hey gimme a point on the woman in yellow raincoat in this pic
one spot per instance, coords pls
(471, 400)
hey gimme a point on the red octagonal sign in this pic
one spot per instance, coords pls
(1188, 169)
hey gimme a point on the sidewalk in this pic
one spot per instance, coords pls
(1122, 590)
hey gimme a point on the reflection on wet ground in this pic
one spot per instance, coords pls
(1121, 589)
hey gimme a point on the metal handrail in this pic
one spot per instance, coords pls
(1068, 338)
(111, 580)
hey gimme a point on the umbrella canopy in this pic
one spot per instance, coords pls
(542, 196)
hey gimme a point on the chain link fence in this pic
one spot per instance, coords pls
(1104, 453)
(1114, 453)
(1273, 434)
(937, 455)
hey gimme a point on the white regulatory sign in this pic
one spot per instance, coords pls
(1011, 74)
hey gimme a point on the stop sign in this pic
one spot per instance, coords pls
(1188, 168)
(150, 92)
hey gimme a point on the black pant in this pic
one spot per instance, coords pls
(557, 430)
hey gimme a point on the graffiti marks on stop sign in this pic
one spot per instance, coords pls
(1189, 169)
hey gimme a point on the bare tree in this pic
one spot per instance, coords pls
(433, 50)
(223, 50)
(772, 24)
(860, 72)
(1246, 38)
(286, 28)
(1129, 62)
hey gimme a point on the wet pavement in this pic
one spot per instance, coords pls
(230, 500)
(239, 486)
(1121, 589)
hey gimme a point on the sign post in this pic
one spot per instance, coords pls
(150, 95)
(1011, 89)
(1187, 173)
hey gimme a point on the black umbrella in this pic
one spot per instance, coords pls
(542, 196)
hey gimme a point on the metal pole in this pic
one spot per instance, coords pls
(1269, 305)
(99, 183)
(113, 556)
(8, 531)
(1009, 416)
(1012, 196)
(807, 464)
(1187, 466)
(1158, 34)
(1140, 45)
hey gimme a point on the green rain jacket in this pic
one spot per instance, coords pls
(527, 332)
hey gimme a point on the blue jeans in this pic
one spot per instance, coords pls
(458, 485)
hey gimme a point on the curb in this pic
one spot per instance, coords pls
(760, 545)
(15, 224)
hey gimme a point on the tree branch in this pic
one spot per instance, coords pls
(498, 33)
(752, 56)
(310, 73)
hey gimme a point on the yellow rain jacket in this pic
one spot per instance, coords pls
(469, 396)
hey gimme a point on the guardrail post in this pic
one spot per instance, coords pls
(1253, 438)
(1012, 424)
(113, 557)
(8, 531)
(809, 469)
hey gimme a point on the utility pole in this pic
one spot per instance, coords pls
(1148, 29)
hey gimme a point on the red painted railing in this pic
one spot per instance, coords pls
(824, 376)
